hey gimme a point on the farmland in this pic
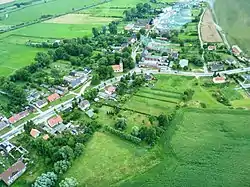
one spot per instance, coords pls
(202, 147)
(209, 32)
(234, 22)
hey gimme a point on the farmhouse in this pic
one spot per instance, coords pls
(219, 80)
(41, 103)
(12, 173)
(18, 116)
(52, 122)
(236, 50)
(183, 63)
(53, 97)
(118, 68)
(34, 133)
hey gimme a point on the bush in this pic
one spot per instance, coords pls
(123, 135)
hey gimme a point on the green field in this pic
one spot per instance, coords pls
(35, 12)
(15, 56)
(206, 147)
(108, 159)
(234, 18)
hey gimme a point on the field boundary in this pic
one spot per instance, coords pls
(163, 100)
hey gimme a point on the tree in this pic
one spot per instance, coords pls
(112, 28)
(61, 166)
(46, 180)
(28, 126)
(64, 153)
(95, 79)
(95, 32)
(78, 150)
(104, 30)
(42, 59)
(135, 131)
(163, 120)
(148, 134)
(121, 124)
(138, 36)
(68, 182)
(91, 94)
(142, 31)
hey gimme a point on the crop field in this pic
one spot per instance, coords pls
(234, 18)
(202, 147)
(108, 159)
(209, 32)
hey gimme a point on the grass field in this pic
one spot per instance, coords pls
(234, 18)
(108, 159)
(202, 147)
(14, 57)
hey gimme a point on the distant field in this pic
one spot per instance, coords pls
(80, 19)
(50, 8)
(202, 147)
(234, 18)
(5, 1)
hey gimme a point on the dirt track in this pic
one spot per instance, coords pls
(209, 32)
(5, 1)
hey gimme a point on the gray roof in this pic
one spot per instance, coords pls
(90, 113)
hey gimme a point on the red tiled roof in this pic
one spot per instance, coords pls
(110, 89)
(116, 67)
(54, 121)
(53, 97)
(18, 116)
(34, 133)
(46, 137)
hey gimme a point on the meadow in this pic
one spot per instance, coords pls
(202, 147)
(108, 159)
(234, 18)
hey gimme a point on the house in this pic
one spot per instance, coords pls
(175, 55)
(118, 68)
(52, 122)
(219, 80)
(46, 137)
(75, 78)
(217, 66)
(6, 146)
(12, 173)
(110, 90)
(53, 97)
(3, 122)
(41, 103)
(18, 116)
(34, 133)
(61, 90)
(211, 48)
(129, 27)
(183, 63)
(83, 105)
(236, 50)
(231, 61)
(90, 113)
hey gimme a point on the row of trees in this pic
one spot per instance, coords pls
(140, 11)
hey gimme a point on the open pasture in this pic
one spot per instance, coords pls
(108, 159)
(202, 147)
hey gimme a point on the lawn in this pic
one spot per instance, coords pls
(108, 159)
(202, 147)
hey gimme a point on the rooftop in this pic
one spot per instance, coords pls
(54, 121)
(53, 97)
(34, 133)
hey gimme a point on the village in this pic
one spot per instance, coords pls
(167, 44)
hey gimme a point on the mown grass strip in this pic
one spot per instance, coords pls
(163, 100)
(165, 94)
(170, 91)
